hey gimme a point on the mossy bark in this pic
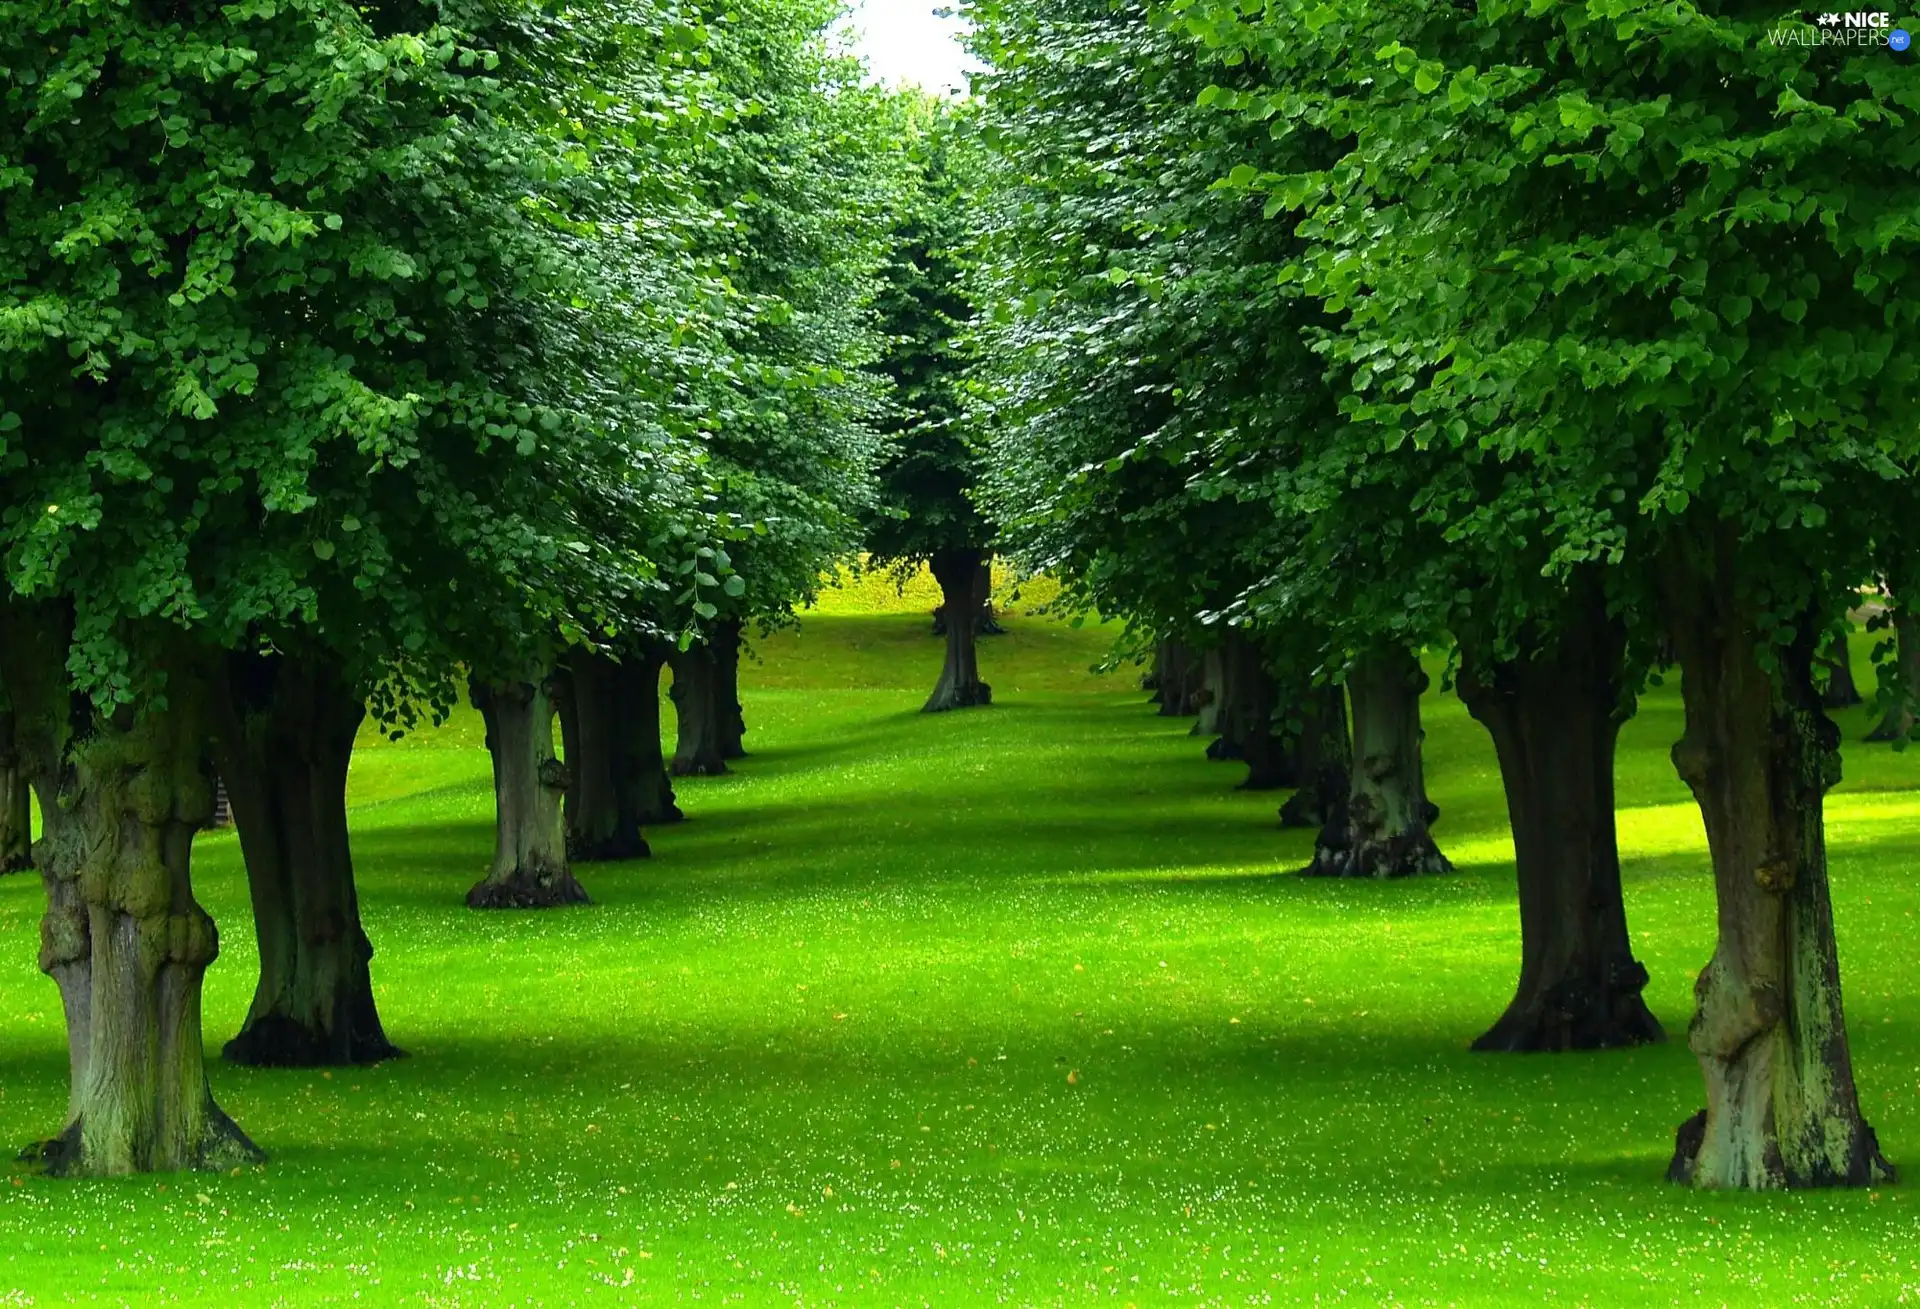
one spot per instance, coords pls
(1759, 755)
(959, 687)
(599, 735)
(1555, 715)
(529, 869)
(16, 804)
(121, 798)
(1323, 760)
(1388, 813)
(731, 717)
(699, 747)
(284, 729)
(1897, 724)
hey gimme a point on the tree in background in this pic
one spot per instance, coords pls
(926, 513)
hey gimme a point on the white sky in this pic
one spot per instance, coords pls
(903, 40)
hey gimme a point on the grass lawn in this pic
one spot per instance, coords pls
(1017, 1005)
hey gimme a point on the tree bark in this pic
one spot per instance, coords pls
(731, 716)
(1324, 762)
(529, 869)
(1230, 717)
(599, 734)
(1176, 679)
(1768, 1028)
(1212, 695)
(1841, 692)
(959, 687)
(699, 747)
(652, 783)
(121, 797)
(284, 729)
(1555, 715)
(16, 804)
(1897, 725)
(1387, 809)
(1270, 762)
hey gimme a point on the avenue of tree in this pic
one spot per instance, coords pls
(358, 361)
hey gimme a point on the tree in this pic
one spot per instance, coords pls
(1623, 274)
(926, 513)
(321, 374)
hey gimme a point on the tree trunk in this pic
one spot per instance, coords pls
(1759, 755)
(1213, 693)
(1555, 717)
(1270, 763)
(731, 717)
(1174, 678)
(599, 733)
(960, 687)
(698, 749)
(121, 797)
(1323, 761)
(988, 622)
(16, 805)
(529, 869)
(1840, 692)
(1387, 810)
(653, 786)
(1897, 725)
(1229, 707)
(283, 733)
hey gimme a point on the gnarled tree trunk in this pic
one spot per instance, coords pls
(598, 732)
(1768, 1028)
(1554, 715)
(284, 728)
(1841, 692)
(699, 747)
(529, 869)
(121, 797)
(959, 687)
(1897, 725)
(1323, 761)
(16, 804)
(1387, 809)
(731, 716)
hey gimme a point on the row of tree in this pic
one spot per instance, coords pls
(1565, 339)
(358, 358)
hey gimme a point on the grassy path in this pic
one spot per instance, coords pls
(1003, 1006)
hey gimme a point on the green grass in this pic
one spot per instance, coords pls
(1016, 1006)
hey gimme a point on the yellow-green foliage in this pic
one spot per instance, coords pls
(860, 589)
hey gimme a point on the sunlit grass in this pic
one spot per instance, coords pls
(1014, 1005)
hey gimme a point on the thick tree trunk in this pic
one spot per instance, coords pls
(16, 804)
(283, 733)
(1841, 692)
(959, 687)
(1175, 679)
(1324, 762)
(732, 719)
(1212, 695)
(121, 797)
(1387, 809)
(698, 748)
(1555, 717)
(599, 733)
(1768, 1028)
(1897, 725)
(529, 869)
(653, 786)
